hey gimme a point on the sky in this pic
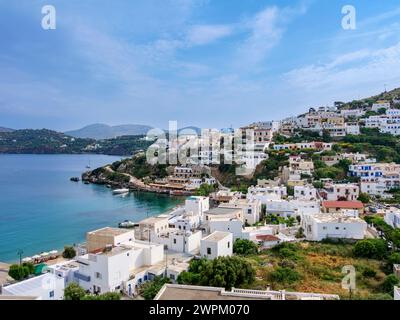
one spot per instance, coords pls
(206, 63)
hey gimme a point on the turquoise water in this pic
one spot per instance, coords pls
(41, 210)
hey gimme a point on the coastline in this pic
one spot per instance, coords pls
(57, 212)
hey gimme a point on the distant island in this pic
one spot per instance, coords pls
(101, 131)
(51, 142)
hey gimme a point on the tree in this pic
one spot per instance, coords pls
(69, 252)
(226, 272)
(364, 198)
(150, 289)
(18, 272)
(30, 267)
(245, 247)
(389, 283)
(205, 190)
(394, 258)
(300, 233)
(371, 248)
(74, 292)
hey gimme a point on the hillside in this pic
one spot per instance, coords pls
(389, 95)
(2, 129)
(40, 142)
(102, 131)
(51, 142)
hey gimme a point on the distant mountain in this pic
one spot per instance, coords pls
(2, 129)
(102, 131)
(189, 130)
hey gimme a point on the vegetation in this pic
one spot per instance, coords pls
(317, 267)
(244, 247)
(20, 272)
(51, 142)
(205, 190)
(74, 292)
(226, 272)
(284, 275)
(69, 252)
(371, 248)
(150, 289)
(274, 219)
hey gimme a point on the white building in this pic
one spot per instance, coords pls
(352, 128)
(292, 208)
(307, 192)
(338, 226)
(396, 293)
(341, 192)
(266, 193)
(356, 113)
(180, 240)
(380, 105)
(112, 269)
(251, 209)
(45, 287)
(196, 206)
(217, 244)
(377, 178)
(234, 226)
(392, 217)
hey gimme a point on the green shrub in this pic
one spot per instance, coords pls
(245, 247)
(285, 275)
(371, 248)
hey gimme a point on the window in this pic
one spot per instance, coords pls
(98, 275)
(208, 250)
(51, 294)
(229, 244)
(174, 241)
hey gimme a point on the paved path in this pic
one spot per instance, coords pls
(4, 278)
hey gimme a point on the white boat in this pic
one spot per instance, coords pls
(120, 191)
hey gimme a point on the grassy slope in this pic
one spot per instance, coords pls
(320, 267)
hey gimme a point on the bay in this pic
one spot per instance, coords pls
(42, 210)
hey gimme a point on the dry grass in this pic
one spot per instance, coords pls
(320, 266)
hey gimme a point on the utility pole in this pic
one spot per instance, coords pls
(20, 253)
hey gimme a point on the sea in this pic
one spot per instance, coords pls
(42, 210)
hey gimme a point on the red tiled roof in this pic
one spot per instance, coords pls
(267, 237)
(343, 204)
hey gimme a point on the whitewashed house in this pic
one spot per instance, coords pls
(341, 192)
(47, 286)
(184, 241)
(217, 244)
(111, 269)
(338, 226)
(306, 192)
(234, 226)
(266, 193)
(392, 217)
(251, 209)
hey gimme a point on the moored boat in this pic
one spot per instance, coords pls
(120, 191)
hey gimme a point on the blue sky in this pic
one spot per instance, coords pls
(209, 63)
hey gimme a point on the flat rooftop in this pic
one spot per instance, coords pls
(155, 219)
(223, 211)
(185, 292)
(108, 231)
(336, 218)
(217, 236)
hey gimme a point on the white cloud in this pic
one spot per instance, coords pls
(348, 76)
(266, 30)
(205, 34)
